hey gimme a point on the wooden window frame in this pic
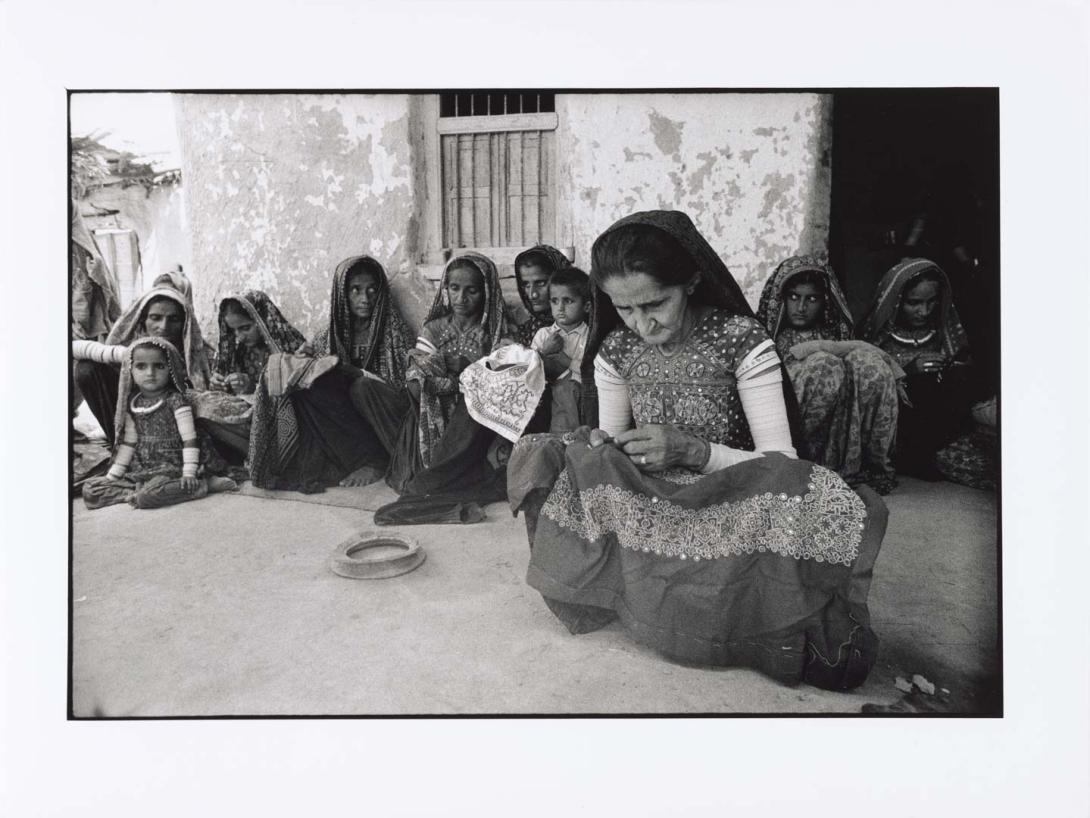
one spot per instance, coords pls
(434, 255)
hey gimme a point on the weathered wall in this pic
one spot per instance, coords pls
(158, 216)
(281, 188)
(752, 170)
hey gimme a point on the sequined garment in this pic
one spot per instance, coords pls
(695, 388)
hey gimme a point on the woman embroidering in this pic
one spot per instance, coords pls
(436, 449)
(686, 514)
(251, 328)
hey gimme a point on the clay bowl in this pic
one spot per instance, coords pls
(376, 555)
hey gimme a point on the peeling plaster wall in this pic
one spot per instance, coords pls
(280, 188)
(752, 170)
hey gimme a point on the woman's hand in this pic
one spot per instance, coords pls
(598, 438)
(454, 362)
(218, 383)
(190, 484)
(305, 349)
(240, 383)
(804, 349)
(931, 363)
(657, 447)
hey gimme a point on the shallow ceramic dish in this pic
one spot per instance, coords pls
(375, 555)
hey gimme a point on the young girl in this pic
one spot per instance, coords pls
(158, 461)
(561, 346)
(913, 319)
(435, 446)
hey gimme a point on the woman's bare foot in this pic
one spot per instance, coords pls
(363, 476)
(216, 484)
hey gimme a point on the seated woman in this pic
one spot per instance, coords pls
(313, 437)
(162, 312)
(533, 268)
(847, 390)
(913, 319)
(251, 328)
(435, 447)
(687, 515)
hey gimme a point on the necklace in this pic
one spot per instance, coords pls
(144, 410)
(914, 341)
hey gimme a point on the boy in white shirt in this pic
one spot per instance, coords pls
(562, 343)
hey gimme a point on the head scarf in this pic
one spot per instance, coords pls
(178, 280)
(278, 334)
(555, 260)
(887, 304)
(493, 317)
(126, 387)
(836, 321)
(716, 288)
(388, 336)
(131, 325)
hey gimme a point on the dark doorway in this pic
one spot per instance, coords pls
(916, 173)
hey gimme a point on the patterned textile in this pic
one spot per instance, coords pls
(382, 345)
(95, 301)
(131, 326)
(824, 524)
(765, 564)
(717, 288)
(848, 399)
(439, 388)
(694, 389)
(879, 325)
(502, 391)
(524, 332)
(971, 460)
(158, 450)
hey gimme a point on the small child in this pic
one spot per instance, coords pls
(561, 345)
(158, 457)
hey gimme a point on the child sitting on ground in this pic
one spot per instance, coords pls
(158, 460)
(562, 343)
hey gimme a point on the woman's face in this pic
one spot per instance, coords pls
(534, 282)
(465, 288)
(918, 304)
(362, 291)
(244, 328)
(804, 305)
(165, 319)
(654, 311)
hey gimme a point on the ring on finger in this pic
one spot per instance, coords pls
(643, 459)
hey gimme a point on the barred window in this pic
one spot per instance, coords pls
(497, 167)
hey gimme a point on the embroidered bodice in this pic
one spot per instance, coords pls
(694, 388)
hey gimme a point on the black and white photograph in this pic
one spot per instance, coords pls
(535, 402)
(466, 408)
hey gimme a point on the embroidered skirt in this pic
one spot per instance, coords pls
(766, 564)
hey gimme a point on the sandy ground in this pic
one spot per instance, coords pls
(226, 606)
